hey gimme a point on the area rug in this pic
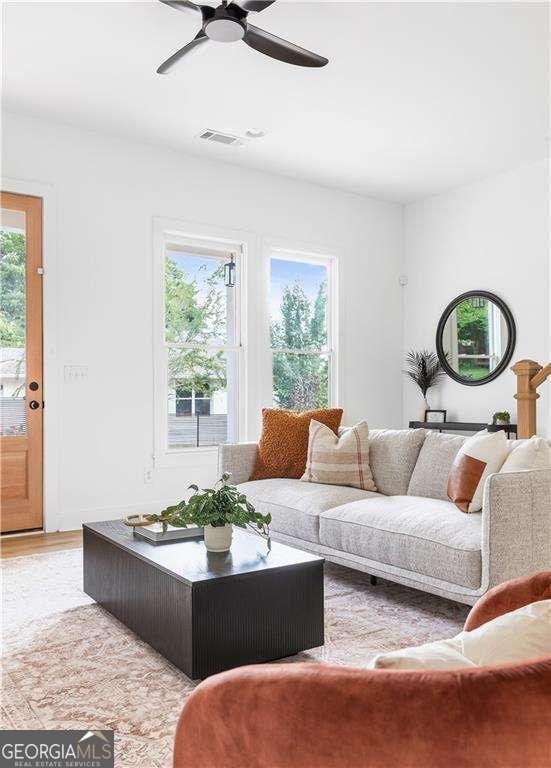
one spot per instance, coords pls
(67, 663)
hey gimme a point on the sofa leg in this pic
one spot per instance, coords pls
(373, 580)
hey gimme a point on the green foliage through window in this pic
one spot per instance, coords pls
(12, 287)
(300, 379)
(195, 313)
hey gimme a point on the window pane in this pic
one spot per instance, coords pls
(298, 305)
(201, 396)
(12, 324)
(199, 309)
(300, 382)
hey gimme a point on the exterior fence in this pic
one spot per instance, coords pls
(12, 416)
(186, 431)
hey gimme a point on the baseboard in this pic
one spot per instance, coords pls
(72, 521)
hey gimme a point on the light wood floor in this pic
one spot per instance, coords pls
(32, 544)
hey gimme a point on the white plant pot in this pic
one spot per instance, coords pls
(218, 538)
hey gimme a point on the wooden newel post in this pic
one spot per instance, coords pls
(529, 376)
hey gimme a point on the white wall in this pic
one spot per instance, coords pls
(492, 235)
(106, 193)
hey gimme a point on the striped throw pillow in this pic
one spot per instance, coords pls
(339, 460)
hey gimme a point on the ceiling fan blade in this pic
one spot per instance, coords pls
(254, 5)
(273, 46)
(182, 5)
(172, 60)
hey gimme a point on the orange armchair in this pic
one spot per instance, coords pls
(321, 716)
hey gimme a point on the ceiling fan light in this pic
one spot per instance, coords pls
(224, 30)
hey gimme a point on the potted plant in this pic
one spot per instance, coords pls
(501, 417)
(424, 368)
(216, 510)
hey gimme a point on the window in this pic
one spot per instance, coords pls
(301, 330)
(197, 367)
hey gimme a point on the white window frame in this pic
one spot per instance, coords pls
(216, 242)
(330, 262)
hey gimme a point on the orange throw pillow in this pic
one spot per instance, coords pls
(283, 446)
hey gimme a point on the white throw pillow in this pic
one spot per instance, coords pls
(515, 636)
(443, 654)
(534, 453)
(479, 456)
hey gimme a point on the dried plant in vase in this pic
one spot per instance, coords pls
(424, 368)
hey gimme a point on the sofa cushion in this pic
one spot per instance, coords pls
(392, 456)
(480, 456)
(342, 460)
(295, 506)
(283, 444)
(534, 453)
(425, 536)
(430, 475)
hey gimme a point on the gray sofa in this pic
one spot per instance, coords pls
(409, 532)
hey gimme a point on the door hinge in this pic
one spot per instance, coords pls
(40, 270)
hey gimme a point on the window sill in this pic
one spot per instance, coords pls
(184, 456)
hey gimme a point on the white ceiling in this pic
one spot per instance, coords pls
(417, 97)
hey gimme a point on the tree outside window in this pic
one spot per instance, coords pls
(299, 335)
(199, 325)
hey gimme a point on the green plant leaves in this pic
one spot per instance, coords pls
(218, 506)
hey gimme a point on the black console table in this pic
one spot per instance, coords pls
(463, 426)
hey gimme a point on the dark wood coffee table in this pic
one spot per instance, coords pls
(203, 611)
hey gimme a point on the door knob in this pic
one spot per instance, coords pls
(34, 404)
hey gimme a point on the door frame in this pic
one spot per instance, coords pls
(51, 368)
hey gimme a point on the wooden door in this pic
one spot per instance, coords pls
(21, 396)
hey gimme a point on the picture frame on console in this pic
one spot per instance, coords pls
(435, 416)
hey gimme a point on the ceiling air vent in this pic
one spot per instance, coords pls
(221, 138)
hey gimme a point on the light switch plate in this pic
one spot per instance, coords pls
(76, 372)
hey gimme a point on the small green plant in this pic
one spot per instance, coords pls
(216, 506)
(503, 417)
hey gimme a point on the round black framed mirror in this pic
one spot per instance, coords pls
(476, 338)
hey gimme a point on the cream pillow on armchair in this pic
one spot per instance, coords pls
(340, 460)
(515, 636)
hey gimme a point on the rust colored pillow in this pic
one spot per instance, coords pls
(283, 445)
(479, 456)
(463, 481)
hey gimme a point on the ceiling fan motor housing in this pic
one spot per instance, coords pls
(226, 24)
(229, 23)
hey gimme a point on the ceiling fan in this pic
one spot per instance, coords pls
(228, 23)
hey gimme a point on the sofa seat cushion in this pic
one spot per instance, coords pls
(425, 536)
(295, 506)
